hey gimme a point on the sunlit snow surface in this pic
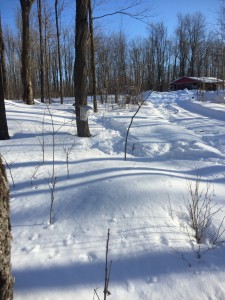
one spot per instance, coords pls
(173, 138)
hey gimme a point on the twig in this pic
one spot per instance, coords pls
(34, 174)
(201, 212)
(132, 118)
(170, 207)
(52, 189)
(107, 272)
(95, 293)
(42, 142)
(67, 150)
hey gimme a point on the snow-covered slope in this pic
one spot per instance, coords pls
(172, 139)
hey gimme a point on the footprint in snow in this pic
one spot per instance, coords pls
(36, 249)
(152, 279)
(114, 220)
(68, 240)
(53, 253)
(88, 257)
(30, 249)
(34, 237)
(164, 241)
(130, 287)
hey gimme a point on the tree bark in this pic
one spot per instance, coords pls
(6, 280)
(93, 69)
(41, 51)
(25, 57)
(2, 53)
(59, 53)
(47, 54)
(80, 69)
(4, 134)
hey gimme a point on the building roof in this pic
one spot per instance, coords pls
(197, 79)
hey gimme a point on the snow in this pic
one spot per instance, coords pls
(208, 79)
(203, 79)
(142, 200)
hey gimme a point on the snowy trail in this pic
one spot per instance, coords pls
(149, 243)
(203, 110)
(204, 120)
(170, 131)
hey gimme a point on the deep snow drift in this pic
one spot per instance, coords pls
(142, 200)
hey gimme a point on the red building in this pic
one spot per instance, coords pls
(194, 83)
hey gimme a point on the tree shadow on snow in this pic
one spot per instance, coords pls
(140, 267)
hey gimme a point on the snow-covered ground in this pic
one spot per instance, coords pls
(173, 138)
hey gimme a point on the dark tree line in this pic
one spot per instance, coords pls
(155, 60)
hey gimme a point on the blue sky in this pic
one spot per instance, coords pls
(162, 10)
(166, 11)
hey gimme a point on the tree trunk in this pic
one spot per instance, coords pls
(6, 281)
(3, 64)
(26, 65)
(46, 56)
(92, 56)
(41, 51)
(59, 52)
(4, 134)
(80, 69)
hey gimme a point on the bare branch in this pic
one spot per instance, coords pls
(140, 15)
(132, 118)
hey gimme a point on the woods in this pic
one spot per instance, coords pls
(194, 49)
(51, 61)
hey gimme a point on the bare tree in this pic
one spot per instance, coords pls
(103, 62)
(6, 280)
(47, 53)
(136, 54)
(68, 62)
(41, 51)
(4, 134)
(3, 63)
(219, 51)
(59, 51)
(26, 65)
(93, 69)
(131, 122)
(13, 58)
(191, 34)
(119, 61)
(80, 68)
(159, 44)
(182, 45)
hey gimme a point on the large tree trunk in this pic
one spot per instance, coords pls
(6, 281)
(4, 134)
(26, 65)
(59, 52)
(2, 53)
(93, 69)
(80, 70)
(47, 55)
(41, 51)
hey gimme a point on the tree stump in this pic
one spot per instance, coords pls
(6, 280)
